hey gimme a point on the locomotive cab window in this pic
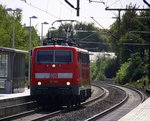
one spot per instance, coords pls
(54, 56)
(45, 56)
(63, 56)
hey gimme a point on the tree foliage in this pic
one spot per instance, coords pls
(131, 54)
(88, 33)
(21, 40)
(131, 26)
(103, 68)
(131, 71)
(98, 68)
(129, 46)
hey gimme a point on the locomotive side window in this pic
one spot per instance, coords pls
(54, 56)
(62, 56)
(45, 56)
(84, 58)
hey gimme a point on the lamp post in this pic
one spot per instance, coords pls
(30, 34)
(13, 25)
(42, 32)
(50, 32)
(30, 47)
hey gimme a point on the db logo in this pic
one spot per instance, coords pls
(53, 75)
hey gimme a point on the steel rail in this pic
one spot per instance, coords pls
(96, 98)
(142, 95)
(23, 113)
(97, 116)
(52, 114)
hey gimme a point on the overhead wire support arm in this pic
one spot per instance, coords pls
(65, 21)
(76, 8)
(146, 3)
(126, 9)
(104, 28)
(96, 1)
(69, 4)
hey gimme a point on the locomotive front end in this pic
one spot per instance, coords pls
(53, 72)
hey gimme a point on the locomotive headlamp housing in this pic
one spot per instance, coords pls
(53, 65)
(39, 83)
(68, 83)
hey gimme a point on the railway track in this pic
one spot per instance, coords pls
(122, 107)
(101, 96)
(38, 115)
(104, 107)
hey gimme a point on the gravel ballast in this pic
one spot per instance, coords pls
(115, 96)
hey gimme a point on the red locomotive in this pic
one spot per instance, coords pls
(61, 73)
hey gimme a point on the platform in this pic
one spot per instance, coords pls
(15, 95)
(140, 113)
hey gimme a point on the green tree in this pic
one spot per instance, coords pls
(90, 36)
(97, 69)
(131, 71)
(21, 32)
(134, 27)
(130, 44)
(122, 75)
(111, 68)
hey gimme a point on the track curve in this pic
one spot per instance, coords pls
(135, 97)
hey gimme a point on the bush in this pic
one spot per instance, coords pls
(131, 71)
(103, 68)
(111, 68)
(122, 75)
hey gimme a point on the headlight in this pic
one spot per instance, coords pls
(53, 66)
(67, 83)
(39, 83)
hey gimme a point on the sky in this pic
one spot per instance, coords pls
(52, 10)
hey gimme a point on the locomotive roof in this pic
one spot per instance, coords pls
(59, 46)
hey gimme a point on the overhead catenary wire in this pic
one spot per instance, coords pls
(126, 44)
(97, 1)
(121, 4)
(101, 43)
(105, 29)
(88, 36)
(45, 11)
(114, 2)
